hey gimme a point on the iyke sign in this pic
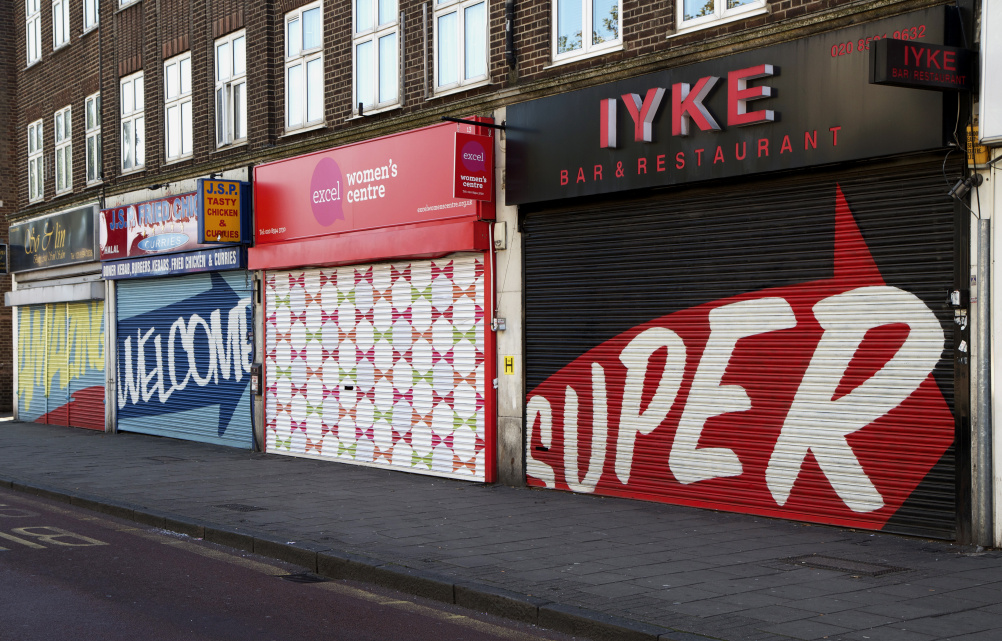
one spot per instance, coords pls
(797, 104)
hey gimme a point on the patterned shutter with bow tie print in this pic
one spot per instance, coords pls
(380, 364)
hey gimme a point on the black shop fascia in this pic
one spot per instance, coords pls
(803, 103)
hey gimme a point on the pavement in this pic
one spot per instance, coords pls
(597, 567)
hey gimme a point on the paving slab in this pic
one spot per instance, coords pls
(604, 567)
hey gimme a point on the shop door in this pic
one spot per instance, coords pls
(381, 365)
(185, 350)
(780, 347)
(61, 364)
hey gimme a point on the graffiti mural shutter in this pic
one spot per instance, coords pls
(380, 364)
(184, 356)
(61, 364)
(779, 347)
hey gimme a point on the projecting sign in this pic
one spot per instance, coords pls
(3, 259)
(206, 260)
(473, 167)
(223, 208)
(904, 63)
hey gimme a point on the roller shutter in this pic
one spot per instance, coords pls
(61, 364)
(185, 350)
(780, 347)
(380, 364)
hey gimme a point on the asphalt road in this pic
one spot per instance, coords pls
(67, 573)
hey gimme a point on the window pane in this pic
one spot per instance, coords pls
(139, 93)
(186, 127)
(388, 68)
(140, 142)
(97, 159)
(68, 123)
(312, 29)
(448, 49)
(387, 11)
(731, 4)
(239, 56)
(38, 137)
(220, 112)
(604, 21)
(57, 23)
(315, 90)
(475, 56)
(173, 131)
(32, 186)
(363, 15)
(692, 9)
(90, 113)
(239, 111)
(60, 170)
(127, 145)
(91, 157)
(294, 96)
(59, 127)
(568, 25)
(128, 98)
(223, 61)
(186, 75)
(173, 81)
(293, 37)
(31, 140)
(364, 74)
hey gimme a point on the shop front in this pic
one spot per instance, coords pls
(58, 301)
(745, 287)
(183, 314)
(377, 305)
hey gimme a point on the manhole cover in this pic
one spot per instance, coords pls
(164, 459)
(240, 507)
(848, 566)
(304, 577)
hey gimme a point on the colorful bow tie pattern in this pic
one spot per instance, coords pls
(324, 340)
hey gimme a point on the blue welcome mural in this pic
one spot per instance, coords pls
(185, 349)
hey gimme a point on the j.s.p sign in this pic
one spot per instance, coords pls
(474, 167)
(223, 210)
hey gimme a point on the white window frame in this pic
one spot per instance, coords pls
(304, 59)
(62, 133)
(92, 129)
(125, 3)
(587, 49)
(721, 15)
(442, 9)
(374, 35)
(36, 161)
(33, 30)
(231, 89)
(177, 108)
(91, 14)
(133, 119)
(60, 23)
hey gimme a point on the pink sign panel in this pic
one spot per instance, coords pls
(395, 180)
(160, 226)
(474, 167)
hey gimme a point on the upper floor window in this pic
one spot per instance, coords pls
(33, 29)
(231, 89)
(376, 54)
(90, 14)
(60, 23)
(92, 127)
(460, 43)
(36, 184)
(304, 67)
(64, 150)
(177, 106)
(586, 27)
(133, 122)
(699, 14)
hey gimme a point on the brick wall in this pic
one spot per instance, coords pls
(8, 190)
